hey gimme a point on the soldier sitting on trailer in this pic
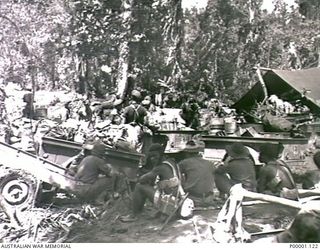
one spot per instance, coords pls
(134, 114)
(129, 113)
(275, 176)
(166, 195)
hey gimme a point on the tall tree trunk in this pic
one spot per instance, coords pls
(82, 85)
(124, 54)
(33, 85)
(173, 34)
(53, 72)
(179, 42)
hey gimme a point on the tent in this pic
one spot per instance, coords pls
(288, 85)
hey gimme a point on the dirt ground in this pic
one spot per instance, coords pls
(108, 228)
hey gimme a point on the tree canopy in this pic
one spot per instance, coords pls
(98, 46)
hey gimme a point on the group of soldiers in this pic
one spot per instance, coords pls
(175, 187)
(139, 108)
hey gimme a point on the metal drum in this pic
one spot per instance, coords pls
(230, 125)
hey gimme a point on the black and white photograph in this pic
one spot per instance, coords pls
(159, 121)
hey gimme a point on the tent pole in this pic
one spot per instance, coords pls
(262, 83)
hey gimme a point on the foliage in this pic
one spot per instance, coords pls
(235, 36)
(99, 34)
(79, 44)
(32, 48)
(226, 48)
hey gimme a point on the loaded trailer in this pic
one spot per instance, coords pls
(24, 176)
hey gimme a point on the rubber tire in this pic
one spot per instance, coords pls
(18, 181)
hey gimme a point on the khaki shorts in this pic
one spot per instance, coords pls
(89, 192)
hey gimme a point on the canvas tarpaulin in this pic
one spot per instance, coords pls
(288, 85)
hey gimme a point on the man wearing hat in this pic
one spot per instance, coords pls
(141, 114)
(91, 185)
(165, 194)
(148, 104)
(190, 113)
(148, 164)
(134, 113)
(237, 167)
(28, 110)
(275, 176)
(158, 98)
(136, 95)
(171, 101)
(197, 174)
(72, 164)
(129, 112)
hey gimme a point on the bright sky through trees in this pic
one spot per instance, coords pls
(267, 4)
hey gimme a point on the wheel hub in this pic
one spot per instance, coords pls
(15, 192)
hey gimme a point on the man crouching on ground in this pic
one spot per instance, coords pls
(198, 174)
(92, 185)
(167, 193)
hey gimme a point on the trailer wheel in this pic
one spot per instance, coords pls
(18, 189)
